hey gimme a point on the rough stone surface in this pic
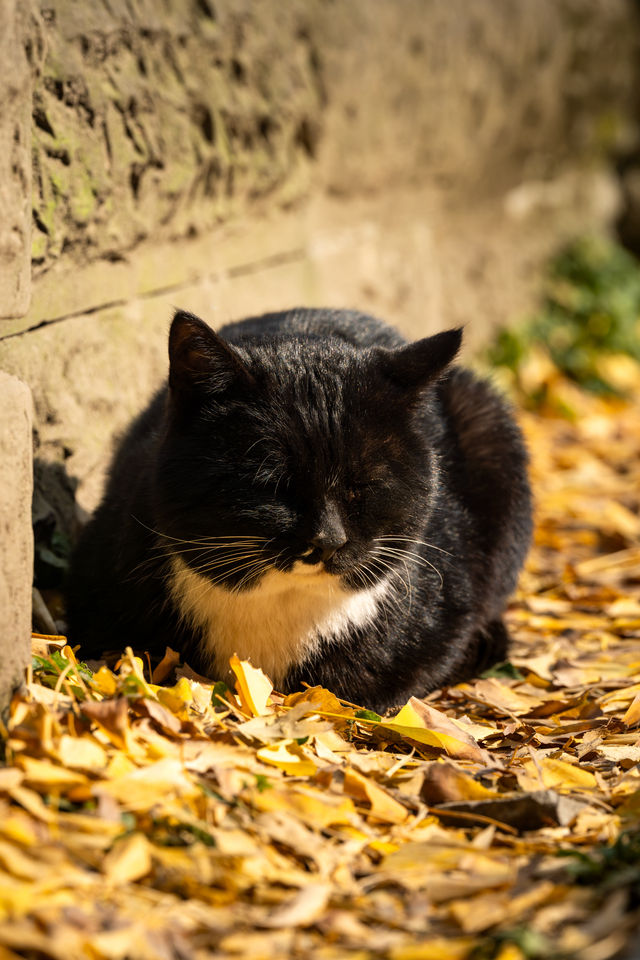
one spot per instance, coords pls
(164, 120)
(473, 97)
(16, 538)
(15, 164)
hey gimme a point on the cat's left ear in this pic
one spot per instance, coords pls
(202, 362)
(418, 364)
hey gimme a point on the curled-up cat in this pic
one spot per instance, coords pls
(319, 496)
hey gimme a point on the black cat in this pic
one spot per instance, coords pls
(314, 494)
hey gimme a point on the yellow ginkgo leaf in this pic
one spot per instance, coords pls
(316, 810)
(411, 724)
(438, 948)
(383, 806)
(104, 681)
(561, 773)
(632, 715)
(81, 753)
(176, 697)
(287, 755)
(252, 686)
(46, 775)
(129, 859)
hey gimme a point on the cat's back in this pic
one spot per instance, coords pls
(485, 459)
(358, 329)
(480, 422)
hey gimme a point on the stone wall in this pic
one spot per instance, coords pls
(16, 540)
(15, 164)
(416, 158)
(163, 122)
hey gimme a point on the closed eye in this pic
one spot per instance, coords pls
(271, 475)
(358, 490)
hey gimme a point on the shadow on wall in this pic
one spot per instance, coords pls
(56, 525)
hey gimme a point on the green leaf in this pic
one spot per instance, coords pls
(219, 694)
(368, 715)
(504, 669)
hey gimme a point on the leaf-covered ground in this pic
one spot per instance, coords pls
(497, 819)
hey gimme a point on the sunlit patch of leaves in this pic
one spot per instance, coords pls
(588, 328)
(51, 671)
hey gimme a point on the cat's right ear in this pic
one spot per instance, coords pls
(200, 362)
(418, 364)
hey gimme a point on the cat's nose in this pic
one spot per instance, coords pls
(324, 545)
(330, 534)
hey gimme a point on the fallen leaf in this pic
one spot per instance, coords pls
(302, 910)
(442, 782)
(561, 773)
(81, 753)
(412, 723)
(524, 811)
(252, 686)
(170, 660)
(382, 805)
(289, 757)
(129, 859)
(503, 697)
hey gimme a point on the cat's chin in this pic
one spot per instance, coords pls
(302, 569)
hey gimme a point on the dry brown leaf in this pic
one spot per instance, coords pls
(129, 859)
(381, 805)
(305, 908)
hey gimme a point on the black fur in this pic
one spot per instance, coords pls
(320, 431)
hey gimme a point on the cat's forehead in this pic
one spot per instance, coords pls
(318, 410)
(320, 391)
(311, 367)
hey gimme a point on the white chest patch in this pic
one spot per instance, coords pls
(278, 623)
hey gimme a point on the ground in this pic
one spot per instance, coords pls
(496, 819)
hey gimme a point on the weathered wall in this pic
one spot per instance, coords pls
(164, 121)
(416, 158)
(15, 164)
(16, 538)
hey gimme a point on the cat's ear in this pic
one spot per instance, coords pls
(200, 361)
(418, 364)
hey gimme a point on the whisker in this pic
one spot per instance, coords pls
(394, 572)
(207, 539)
(257, 568)
(225, 562)
(422, 543)
(267, 456)
(232, 566)
(252, 567)
(231, 551)
(255, 444)
(404, 555)
(368, 578)
(210, 545)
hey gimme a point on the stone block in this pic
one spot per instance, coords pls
(16, 538)
(15, 165)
